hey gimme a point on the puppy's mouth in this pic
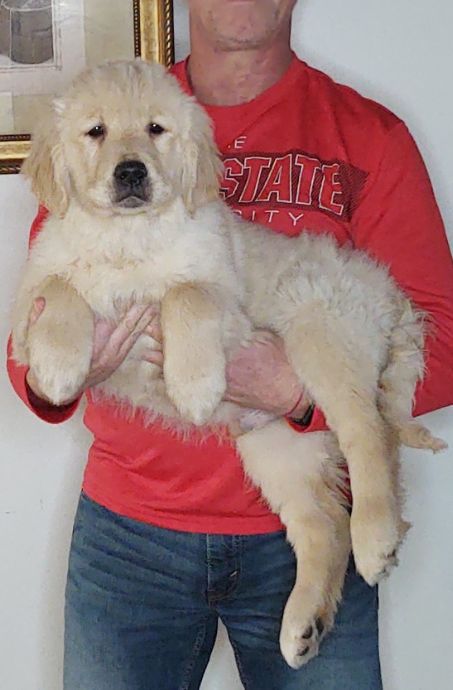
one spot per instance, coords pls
(132, 200)
(131, 183)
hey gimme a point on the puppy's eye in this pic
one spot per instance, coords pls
(97, 132)
(154, 129)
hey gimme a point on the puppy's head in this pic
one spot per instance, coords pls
(124, 139)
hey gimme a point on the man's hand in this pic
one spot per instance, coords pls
(112, 342)
(260, 377)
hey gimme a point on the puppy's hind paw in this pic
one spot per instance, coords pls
(303, 628)
(298, 645)
(375, 543)
(415, 435)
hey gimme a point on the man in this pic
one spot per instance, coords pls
(168, 536)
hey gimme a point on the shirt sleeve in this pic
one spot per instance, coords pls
(17, 373)
(398, 222)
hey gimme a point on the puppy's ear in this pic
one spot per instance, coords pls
(202, 166)
(45, 165)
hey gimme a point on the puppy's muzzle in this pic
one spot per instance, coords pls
(132, 183)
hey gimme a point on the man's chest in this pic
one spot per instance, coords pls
(292, 181)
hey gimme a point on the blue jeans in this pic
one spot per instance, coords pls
(142, 606)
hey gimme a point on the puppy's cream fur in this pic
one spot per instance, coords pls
(353, 338)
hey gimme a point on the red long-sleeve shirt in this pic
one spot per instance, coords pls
(307, 154)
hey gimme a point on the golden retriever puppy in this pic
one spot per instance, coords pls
(127, 165)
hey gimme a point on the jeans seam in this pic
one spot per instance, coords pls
(200, 638)
(239, 544)
(240, 668)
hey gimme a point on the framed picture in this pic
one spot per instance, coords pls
(45, 43)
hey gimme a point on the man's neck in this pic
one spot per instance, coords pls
(233, 77)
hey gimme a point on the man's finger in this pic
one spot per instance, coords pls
(154, 329)
(134, 315)
(130, 327)
(139, 329)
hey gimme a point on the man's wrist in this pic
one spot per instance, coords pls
(299, 406)
(301, 412)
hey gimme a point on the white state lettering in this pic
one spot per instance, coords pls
(252, 167)
(278, 181)
(239, 142)
(271, 215)
(232, 170)
(295, 218)
(330, 188)
(308, 168)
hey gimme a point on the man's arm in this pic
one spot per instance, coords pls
(18, 374)
(260, 377)
(398, 222)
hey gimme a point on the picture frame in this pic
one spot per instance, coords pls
(45, 43)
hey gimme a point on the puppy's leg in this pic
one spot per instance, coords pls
(335, 503)
(60, 343)
(289, 469)
(340, 559)
(342, 383)
(194, 361)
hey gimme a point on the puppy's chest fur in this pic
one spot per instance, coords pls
(112, 262)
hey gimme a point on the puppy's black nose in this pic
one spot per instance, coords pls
(130, 173)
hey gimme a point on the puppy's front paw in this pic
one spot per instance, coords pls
(196, 397)
(59, 360)
(376, 533)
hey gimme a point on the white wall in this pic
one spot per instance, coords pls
(399, 52)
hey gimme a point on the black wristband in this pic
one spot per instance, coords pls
(307, 417)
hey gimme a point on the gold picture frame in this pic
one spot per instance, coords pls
(151, 24)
